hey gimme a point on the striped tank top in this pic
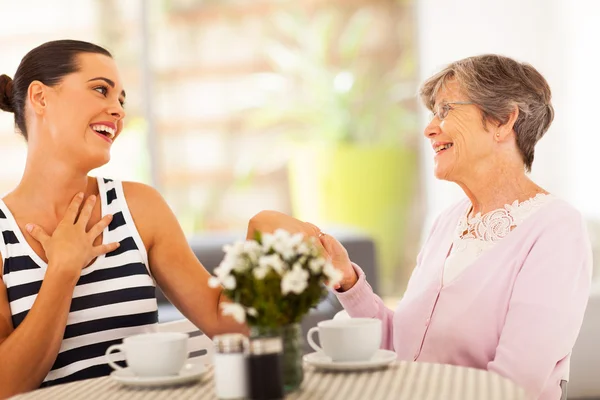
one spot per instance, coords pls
(114, 297)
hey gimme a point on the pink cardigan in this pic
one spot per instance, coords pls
(516, 310)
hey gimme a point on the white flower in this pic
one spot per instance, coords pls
(223, 276)
(296, 239)
(225, 267)
(235, 258)
(235, 310)
(241, 264)
(282, 242)
(267, 241)
(253, 249)
(303, 249)
(316, 265)
(272, 261)
(295, 280)
(334, 275)
(251, 311)
(260, 272)
(285, 248)
(229, 282)
(234, 249)
(282, 235)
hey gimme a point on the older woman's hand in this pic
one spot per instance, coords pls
(270, 221)
(338, 255)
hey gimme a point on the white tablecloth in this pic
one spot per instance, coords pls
(402, 380)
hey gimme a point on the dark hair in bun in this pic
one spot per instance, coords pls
(6, 85)
(49, 64)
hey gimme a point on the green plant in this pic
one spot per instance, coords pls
(340, 91)
(273, 280)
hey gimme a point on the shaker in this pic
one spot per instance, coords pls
(230, 373)
(265, 368)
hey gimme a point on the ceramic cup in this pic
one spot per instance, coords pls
(153, 354)
(353, 339)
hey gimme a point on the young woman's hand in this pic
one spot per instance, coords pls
(70, 248)
(270, 221)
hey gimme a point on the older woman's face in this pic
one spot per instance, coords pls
(459, 141)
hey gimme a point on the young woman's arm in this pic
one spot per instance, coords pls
(173, 264)
(28, 352)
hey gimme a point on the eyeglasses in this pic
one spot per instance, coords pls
(442, 110)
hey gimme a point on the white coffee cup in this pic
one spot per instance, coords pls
(353, 339)
(153, 354)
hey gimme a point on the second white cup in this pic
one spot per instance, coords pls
(353, 339)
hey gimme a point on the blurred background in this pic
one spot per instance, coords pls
(309, 107)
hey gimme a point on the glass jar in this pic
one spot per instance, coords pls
(230, 366)
(264, 363)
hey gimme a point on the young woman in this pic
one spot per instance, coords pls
(81, 255)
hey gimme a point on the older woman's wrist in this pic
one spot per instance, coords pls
(355, 298)
(348, 282)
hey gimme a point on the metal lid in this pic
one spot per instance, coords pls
(266, 345)
(229, 343)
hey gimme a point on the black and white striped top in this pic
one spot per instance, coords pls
(114, 297)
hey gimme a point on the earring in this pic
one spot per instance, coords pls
(497, 135)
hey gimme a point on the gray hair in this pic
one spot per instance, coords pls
(497, 84)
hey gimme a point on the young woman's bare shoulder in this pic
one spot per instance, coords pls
(141, 195)
(147, 207)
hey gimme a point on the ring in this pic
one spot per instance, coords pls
(321, 234)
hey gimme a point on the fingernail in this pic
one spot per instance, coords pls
(92, 198)
(80, 195)
(29, 227)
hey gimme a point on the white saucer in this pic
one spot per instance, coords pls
(321, 361)
(190, 372)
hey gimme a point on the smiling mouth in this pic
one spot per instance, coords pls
(442, 148)
(104, 131)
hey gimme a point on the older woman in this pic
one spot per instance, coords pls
(502, 280)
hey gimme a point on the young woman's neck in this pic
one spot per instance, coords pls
(50, 185)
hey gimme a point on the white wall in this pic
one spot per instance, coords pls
(582, 20)
(559, 38)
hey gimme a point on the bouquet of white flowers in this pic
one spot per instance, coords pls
(273, 280)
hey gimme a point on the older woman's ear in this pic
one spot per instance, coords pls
(504, 130)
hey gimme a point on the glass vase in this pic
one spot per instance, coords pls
(293, 373)
(292, 340)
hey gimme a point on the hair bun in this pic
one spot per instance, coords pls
(6, 93)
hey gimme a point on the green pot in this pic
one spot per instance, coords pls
(366, 187)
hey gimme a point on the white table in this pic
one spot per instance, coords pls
(402, 380)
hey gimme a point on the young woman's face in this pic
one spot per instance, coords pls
(84, 113)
